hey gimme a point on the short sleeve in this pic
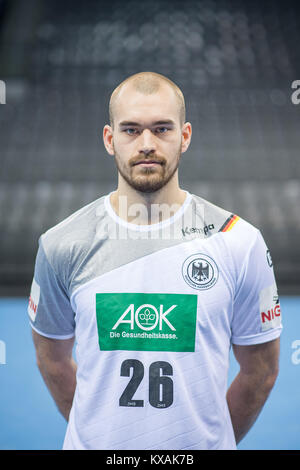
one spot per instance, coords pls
(256, 311)
(49, 309)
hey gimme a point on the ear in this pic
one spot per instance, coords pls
(186, 135)
(108, 139)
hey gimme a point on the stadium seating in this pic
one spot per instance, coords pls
(234, 61)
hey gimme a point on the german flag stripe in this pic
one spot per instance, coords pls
(229, 223)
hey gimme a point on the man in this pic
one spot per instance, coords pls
(156, 284)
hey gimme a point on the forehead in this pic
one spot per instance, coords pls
(132, 105)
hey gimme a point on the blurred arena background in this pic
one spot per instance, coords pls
(235, 62)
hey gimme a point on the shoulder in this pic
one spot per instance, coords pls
(222, 220)
(240, 245)
(72, 234)
(232, 231)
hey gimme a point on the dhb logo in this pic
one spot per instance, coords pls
(200, 271)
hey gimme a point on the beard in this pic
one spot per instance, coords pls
(151, 179)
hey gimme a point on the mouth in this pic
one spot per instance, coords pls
(147, 163)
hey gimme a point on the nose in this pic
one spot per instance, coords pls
(147, 142)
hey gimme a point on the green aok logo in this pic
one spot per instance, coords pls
(146, 322)
(146, 317)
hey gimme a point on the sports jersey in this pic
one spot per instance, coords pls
(154, 310)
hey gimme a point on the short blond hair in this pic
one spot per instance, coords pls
(148, 83)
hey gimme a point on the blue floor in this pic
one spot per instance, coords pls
(29, 419)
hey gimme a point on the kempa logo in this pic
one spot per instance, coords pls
(2, 92)
(192, 230)
(146, 317)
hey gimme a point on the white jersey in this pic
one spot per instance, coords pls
(154, 310)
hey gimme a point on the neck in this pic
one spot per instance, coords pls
(147, 208)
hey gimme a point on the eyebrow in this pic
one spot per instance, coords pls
(156, 123)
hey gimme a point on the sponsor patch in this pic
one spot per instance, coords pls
(146, 322)
(270, 314)
(34, 299)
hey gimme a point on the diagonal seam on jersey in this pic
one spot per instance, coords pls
(121, 267)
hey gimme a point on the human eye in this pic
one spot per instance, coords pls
(161, 130)
(130, 131)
